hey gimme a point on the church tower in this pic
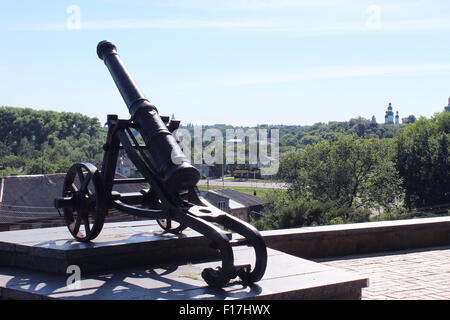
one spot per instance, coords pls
(447, 108)
(389, 115)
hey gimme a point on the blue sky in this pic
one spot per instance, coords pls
(241, 62)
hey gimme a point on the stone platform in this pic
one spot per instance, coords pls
(135, 260)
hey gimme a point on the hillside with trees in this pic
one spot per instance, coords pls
(294, 137)
(298, 137)
(35, 141)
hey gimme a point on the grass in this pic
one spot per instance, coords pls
(260, 192)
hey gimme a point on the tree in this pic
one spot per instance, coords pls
(306, 140)
(423, 161)
(347, 170)
(409, 119)
(33, 141)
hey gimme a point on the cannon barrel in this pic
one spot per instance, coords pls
(167, 157)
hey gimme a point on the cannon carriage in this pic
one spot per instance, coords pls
(172, 198)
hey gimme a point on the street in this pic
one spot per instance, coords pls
(246, 184)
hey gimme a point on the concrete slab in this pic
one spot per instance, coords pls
(119, 245)
(32, 267)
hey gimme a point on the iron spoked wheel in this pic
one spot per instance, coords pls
(85, 219)
(167, 224)
(170, 225)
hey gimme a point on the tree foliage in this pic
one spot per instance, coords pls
(358, 177)
(351, 171)
(423, 161)
(35, 141)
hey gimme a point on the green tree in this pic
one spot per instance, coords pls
(334, 181)
(347, 170)
(35, 141)
(409, 119)
(423, 161)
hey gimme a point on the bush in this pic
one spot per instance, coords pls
(304, 212)
(398, 213)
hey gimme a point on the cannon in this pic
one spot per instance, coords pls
(170, 197)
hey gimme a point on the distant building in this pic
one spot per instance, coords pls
(203, 169)
(126, 167)
(241, 205)
(447, 108)
(389, 116)
(247, 174)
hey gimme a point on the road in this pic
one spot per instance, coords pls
(245, 184)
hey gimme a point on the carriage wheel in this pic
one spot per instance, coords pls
(85, 219)
(170, 225)
(167, 224)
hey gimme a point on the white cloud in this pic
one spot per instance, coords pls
(286, 27)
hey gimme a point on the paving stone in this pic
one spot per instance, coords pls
(422, 274)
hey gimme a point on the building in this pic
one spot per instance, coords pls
(247, 174)
(126, 167)
(241, 205)
(203, 169)
(447, 108)
(389, 116)
(216, 199)
(26, 201)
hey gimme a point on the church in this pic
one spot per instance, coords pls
(389, 116)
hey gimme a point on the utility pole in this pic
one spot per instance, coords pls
(42, 160)
(223, 176)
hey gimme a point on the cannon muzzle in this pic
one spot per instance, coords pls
(174, 168)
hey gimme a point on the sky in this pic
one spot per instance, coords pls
(238, 62)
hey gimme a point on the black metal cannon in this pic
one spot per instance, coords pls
(172, 199)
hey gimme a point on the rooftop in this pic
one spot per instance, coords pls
(247, 200)
(30, 197)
